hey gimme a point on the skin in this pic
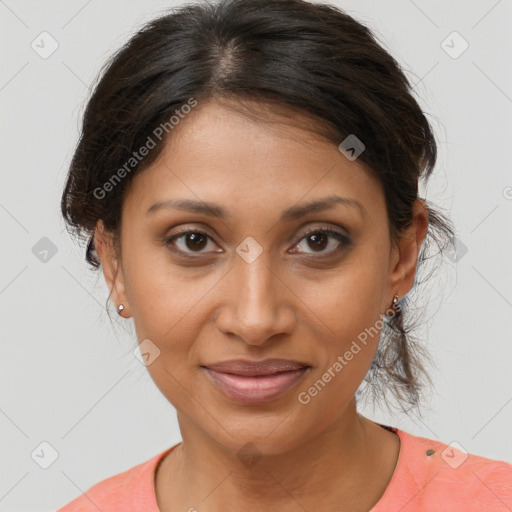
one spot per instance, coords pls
(308, 305)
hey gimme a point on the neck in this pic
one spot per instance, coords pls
(331, 470)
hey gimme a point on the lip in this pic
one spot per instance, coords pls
(247, 368)
(251, 382)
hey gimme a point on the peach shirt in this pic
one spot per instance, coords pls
(429, 476)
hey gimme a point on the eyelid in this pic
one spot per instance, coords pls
(189, 228)
(334, 228)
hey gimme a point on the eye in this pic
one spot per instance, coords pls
(189, 242)
(321, 238)
(193, 241)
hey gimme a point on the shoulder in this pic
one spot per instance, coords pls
(433, 472)
(121, 492)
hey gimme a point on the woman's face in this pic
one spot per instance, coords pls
(256, 282)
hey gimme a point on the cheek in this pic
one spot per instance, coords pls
(348, 299)
(170, 305)
(162, 295)
(348, 304)
(345, 359)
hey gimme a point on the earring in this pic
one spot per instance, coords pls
(395, 304)
(120, 308)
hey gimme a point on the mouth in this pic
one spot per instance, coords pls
(250, 382)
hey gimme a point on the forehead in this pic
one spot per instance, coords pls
(218, 154)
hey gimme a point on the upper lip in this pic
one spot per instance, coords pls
(253, 368)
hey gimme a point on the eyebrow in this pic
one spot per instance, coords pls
(292, 213)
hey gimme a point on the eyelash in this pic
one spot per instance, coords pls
(335, 234)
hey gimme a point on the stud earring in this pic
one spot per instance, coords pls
(120, 309)
(395, 304)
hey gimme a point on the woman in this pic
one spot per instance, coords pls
(248, 177)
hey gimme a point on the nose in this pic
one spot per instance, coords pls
(257, 304)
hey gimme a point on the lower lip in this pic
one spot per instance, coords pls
(253, 390)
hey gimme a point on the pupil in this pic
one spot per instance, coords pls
(196, 240)
(319, 244)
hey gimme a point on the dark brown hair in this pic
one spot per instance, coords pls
(309, 58)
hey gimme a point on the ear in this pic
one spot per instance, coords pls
(409, 244)
(112, 269)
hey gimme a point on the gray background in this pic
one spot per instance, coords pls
(68, 377)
